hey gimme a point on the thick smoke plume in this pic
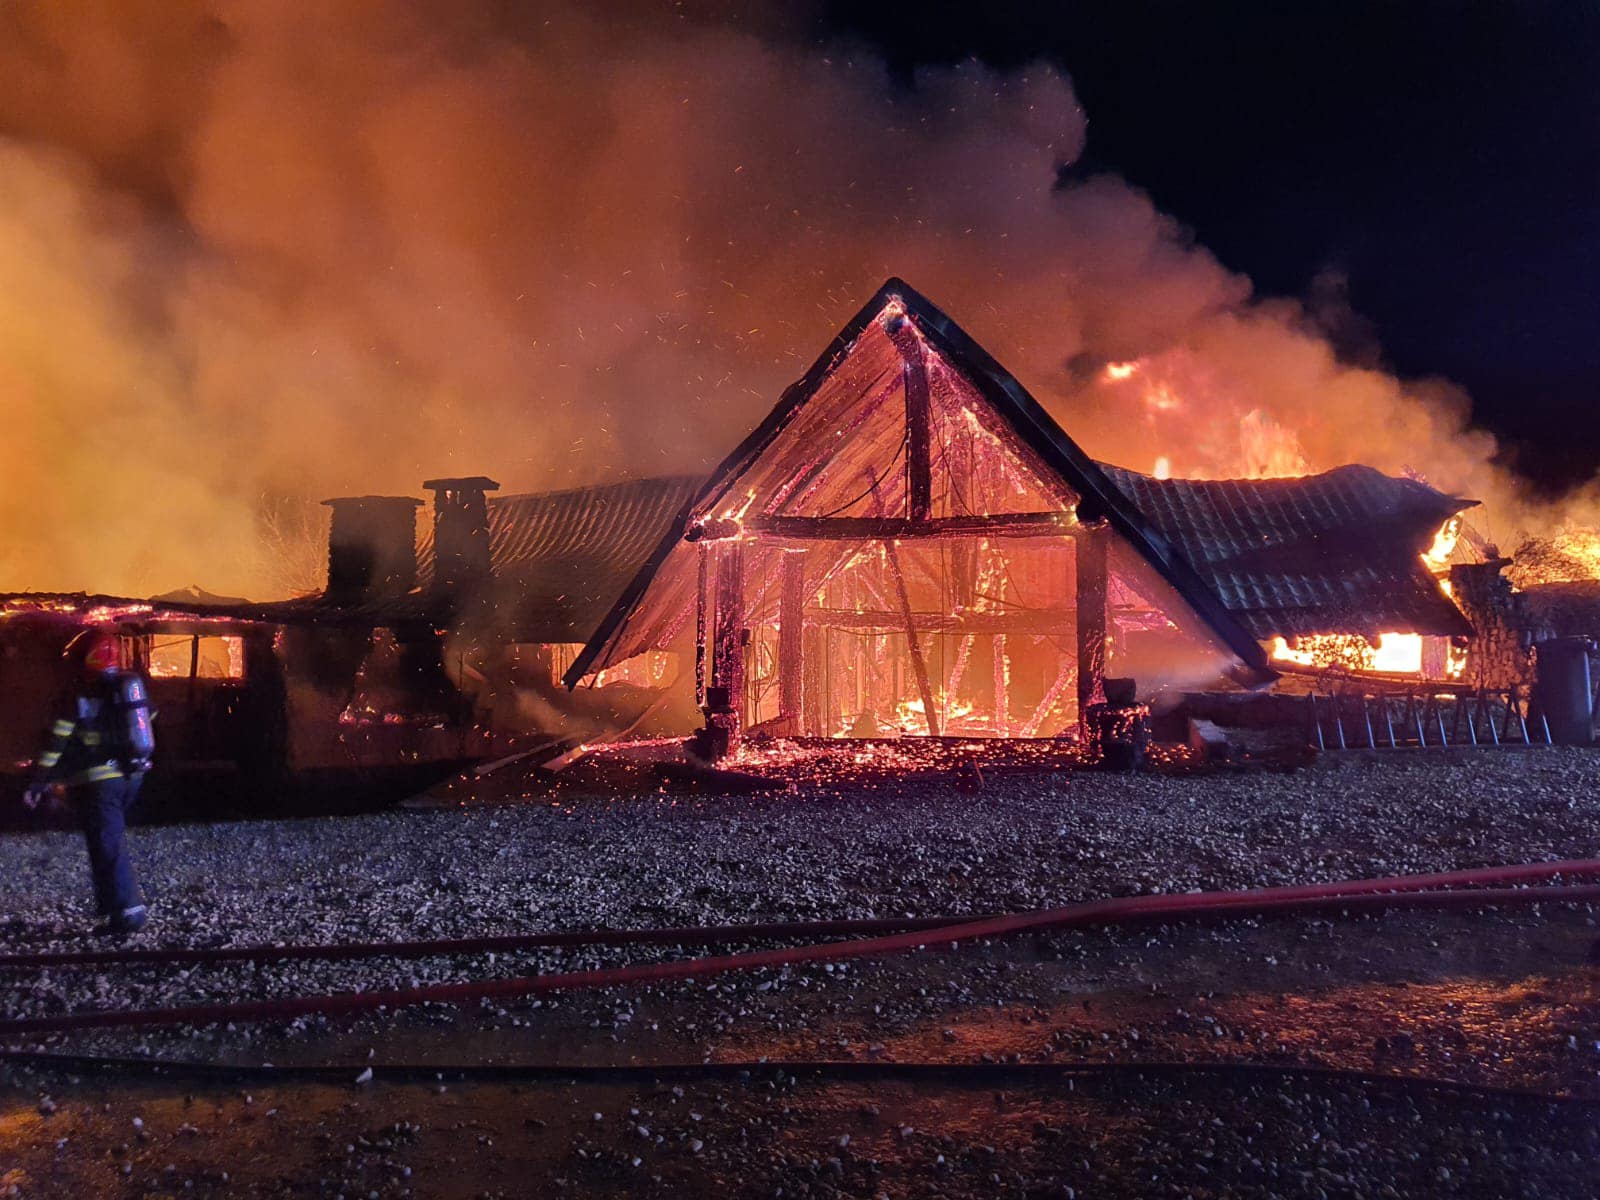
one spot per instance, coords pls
(254, 254)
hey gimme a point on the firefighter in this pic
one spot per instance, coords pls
(98, 753)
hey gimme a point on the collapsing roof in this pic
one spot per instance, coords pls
(1338, 552)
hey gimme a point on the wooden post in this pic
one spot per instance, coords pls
(727, 665)
(918, 664)
(791, 643)
(830, 693)
(1002, 690)
(1093, 580)
(701, 598)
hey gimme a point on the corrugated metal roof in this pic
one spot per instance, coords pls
(561, 559)
(1330, 553)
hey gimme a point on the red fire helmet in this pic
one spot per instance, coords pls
(99, 650)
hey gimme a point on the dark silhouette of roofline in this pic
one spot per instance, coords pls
(1099, 497)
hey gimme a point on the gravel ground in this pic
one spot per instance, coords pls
(1507, 1001)
(876, 849)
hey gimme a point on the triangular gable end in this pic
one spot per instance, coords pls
(841, 443)
(852, 453)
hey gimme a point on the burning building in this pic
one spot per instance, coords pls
(909, 544)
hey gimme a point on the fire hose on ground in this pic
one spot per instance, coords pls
(1446, 890)
(701, 935)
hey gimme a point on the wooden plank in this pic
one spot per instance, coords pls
(794, 491)
(791, 624)
(1093, 585)
(1031, 524)
(1020, 620)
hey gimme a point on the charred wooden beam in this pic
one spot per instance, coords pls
(1030, 727)
(1002, 687)
(1093, 585)
(791, 625)
(715, 529)
(1041, 524)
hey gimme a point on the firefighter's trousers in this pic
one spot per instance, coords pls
(103, 809)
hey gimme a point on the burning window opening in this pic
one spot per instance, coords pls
(1392, 654)
(195, 656)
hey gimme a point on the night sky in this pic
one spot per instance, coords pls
(1435, 165)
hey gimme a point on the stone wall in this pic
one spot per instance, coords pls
(1500, 655)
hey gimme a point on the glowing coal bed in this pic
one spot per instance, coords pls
(633, 767)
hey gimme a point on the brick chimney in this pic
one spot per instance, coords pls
(372, 547)
(461, 558)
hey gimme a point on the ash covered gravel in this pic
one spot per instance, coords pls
(914, 847)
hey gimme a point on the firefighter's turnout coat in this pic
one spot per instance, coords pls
(104, 734)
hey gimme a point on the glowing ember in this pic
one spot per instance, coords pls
(1571, 556)
(66, 606)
